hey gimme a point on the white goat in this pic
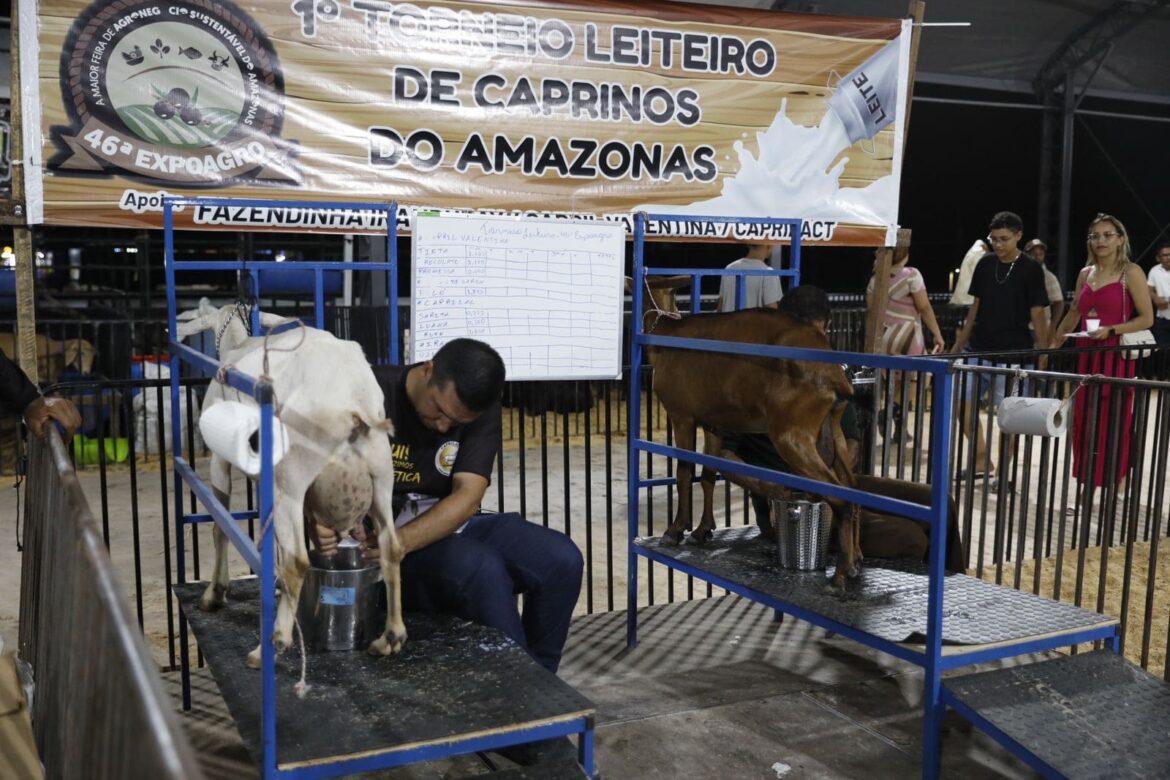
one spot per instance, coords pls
(338, 467)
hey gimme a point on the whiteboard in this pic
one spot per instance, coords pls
(546, 294)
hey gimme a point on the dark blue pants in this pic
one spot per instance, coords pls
(1161, 331)
(476, 574)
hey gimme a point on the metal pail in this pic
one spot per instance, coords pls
(802, 533)
(339, 601)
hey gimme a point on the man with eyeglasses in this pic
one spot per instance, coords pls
(1008, 294)
(1159, 281)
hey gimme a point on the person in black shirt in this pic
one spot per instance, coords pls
(446, 414)
(1008, 291)
(19, 396)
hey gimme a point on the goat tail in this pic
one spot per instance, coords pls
(362, 426)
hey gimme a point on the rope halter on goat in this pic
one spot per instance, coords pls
(658, 311)
(244, 312)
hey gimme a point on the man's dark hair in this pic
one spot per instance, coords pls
(806, 303)
(476, 369)
(1162, 245)
(1007, 220)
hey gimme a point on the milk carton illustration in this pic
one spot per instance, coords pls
(867, 99)
(791, 176)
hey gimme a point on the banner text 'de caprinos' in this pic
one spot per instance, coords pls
(624, 108)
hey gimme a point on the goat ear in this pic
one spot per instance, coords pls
(202, 309)
(197, 325)
(72, 352)
(268, 320)
(629, 284)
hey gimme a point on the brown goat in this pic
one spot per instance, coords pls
(787, 399)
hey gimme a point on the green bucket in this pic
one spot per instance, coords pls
(85, 450)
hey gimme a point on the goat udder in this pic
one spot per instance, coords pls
(341, 495)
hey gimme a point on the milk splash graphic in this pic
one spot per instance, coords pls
(792, 178)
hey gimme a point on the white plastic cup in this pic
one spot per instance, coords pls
(1092, 324)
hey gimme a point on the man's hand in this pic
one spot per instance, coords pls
(61, 410)
(326, 539)
(369, 542)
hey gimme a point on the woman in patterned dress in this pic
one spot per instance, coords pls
(907, 309)
(1112, 290)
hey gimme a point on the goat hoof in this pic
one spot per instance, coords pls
(253, 659)
(701, 537)
(388, 644)
(835, 586)
(211, 601)
(672, 537)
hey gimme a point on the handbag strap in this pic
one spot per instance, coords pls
(1124, 293)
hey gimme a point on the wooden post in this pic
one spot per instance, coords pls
(16, 214)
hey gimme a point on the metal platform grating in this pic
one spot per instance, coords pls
(452, 680)
(888, 599)
(1088, 715)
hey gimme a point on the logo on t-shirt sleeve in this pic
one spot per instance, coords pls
(445, 457)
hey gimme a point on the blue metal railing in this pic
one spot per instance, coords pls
(930, 658)
(263, 560)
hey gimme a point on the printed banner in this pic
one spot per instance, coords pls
(595, 110)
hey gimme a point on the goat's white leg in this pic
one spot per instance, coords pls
(292, 563)
(221, 484)
(390, 552)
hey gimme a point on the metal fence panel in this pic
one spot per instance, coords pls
(563, 451)
(99, 710)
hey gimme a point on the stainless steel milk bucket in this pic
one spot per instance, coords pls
(802, 533)
(339, 601)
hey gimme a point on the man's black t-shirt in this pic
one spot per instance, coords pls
(1006, 296)
(424, 459)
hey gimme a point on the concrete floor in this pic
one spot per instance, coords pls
(714, 689)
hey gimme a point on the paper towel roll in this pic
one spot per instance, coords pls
(228, 428)
(1033, 416)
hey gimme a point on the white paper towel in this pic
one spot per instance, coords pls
(1033, 416)
(228, 427)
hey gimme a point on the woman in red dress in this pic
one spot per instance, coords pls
(1113, 291)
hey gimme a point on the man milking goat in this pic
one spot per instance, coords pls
(457, 560)
(882, 535)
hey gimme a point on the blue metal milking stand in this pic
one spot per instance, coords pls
(931, 657)
(261, 390)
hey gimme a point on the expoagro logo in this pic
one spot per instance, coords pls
(186, 91)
